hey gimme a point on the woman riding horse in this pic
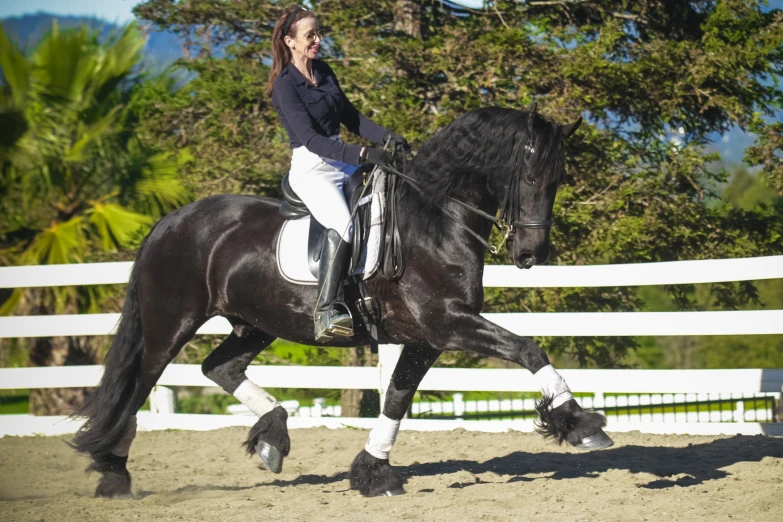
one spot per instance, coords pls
(307, 97)
(218, 257)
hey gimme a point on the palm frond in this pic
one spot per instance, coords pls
(10, 305)
(16, 74)
(115, 225)
(61, 67)
(91, 134)
(160, 183)
(58, 244)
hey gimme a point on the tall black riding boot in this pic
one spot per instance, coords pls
(332, 317)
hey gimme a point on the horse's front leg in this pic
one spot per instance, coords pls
(371, 472)
(226, 366)
(561, 417)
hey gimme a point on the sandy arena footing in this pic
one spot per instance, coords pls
(452, 476)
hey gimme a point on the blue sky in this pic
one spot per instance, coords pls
(109, 10)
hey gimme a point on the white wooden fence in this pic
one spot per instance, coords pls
(529, 324)
(655, 407)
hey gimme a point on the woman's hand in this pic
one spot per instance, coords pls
(375, 156)
(398, 141)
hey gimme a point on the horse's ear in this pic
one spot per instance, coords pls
(530, 112)
(569, 129)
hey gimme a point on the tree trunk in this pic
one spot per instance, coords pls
(407, 17)
(359, 403)
(59, 351)
(349, 402)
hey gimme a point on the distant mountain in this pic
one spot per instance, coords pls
(162, 47)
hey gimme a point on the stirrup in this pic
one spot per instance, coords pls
(334, 323)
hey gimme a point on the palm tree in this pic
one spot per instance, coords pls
(75, 179)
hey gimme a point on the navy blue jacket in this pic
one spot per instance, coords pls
(310, 114)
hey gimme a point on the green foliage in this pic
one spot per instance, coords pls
(214, 403)
(13, 402)
(745, 191)
(643, 73)
(75, 176)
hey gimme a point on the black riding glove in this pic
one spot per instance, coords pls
(376, 156)
(398, 140)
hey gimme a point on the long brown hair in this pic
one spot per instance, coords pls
(281, 54)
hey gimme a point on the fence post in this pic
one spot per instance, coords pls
(319, 407)
(162, 400)
(459, 405)
(388, 355)
(598, 398)
(739, 411)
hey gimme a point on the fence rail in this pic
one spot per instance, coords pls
(507, 276)
(680, 407)
(557, 324)
(598, 382)
(437, 379)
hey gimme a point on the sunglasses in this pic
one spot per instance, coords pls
(312, 35)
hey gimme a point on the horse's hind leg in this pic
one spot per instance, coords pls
(160, 347)
(133, 365)
(226, 366)
(371, 472)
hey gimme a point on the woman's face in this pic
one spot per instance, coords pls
(308, 38)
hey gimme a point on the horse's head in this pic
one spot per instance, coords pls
(541, 168)
(517, 155)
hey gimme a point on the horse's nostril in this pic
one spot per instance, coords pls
(526, 260)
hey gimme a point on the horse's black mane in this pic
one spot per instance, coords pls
(488, 144)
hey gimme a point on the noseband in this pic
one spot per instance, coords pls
(544, 223)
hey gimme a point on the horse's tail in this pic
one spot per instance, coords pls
(109, 407)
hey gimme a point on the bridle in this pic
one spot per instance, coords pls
(509, 208)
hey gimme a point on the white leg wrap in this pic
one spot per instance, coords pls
(122, 448)
(255, 398)
(382, 437)
(551, 383)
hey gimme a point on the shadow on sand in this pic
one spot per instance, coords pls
(698, 462)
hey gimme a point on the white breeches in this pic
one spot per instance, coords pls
(319, 182)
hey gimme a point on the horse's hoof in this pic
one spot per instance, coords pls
(595, 442)
(270, 456)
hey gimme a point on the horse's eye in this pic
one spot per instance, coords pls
(530, 149)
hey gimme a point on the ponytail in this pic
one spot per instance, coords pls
(281, 54)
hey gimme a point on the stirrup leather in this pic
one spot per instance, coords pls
(337, 321)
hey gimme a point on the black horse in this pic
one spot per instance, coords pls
(216, 257)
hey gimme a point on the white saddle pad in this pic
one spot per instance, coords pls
(292, 241)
